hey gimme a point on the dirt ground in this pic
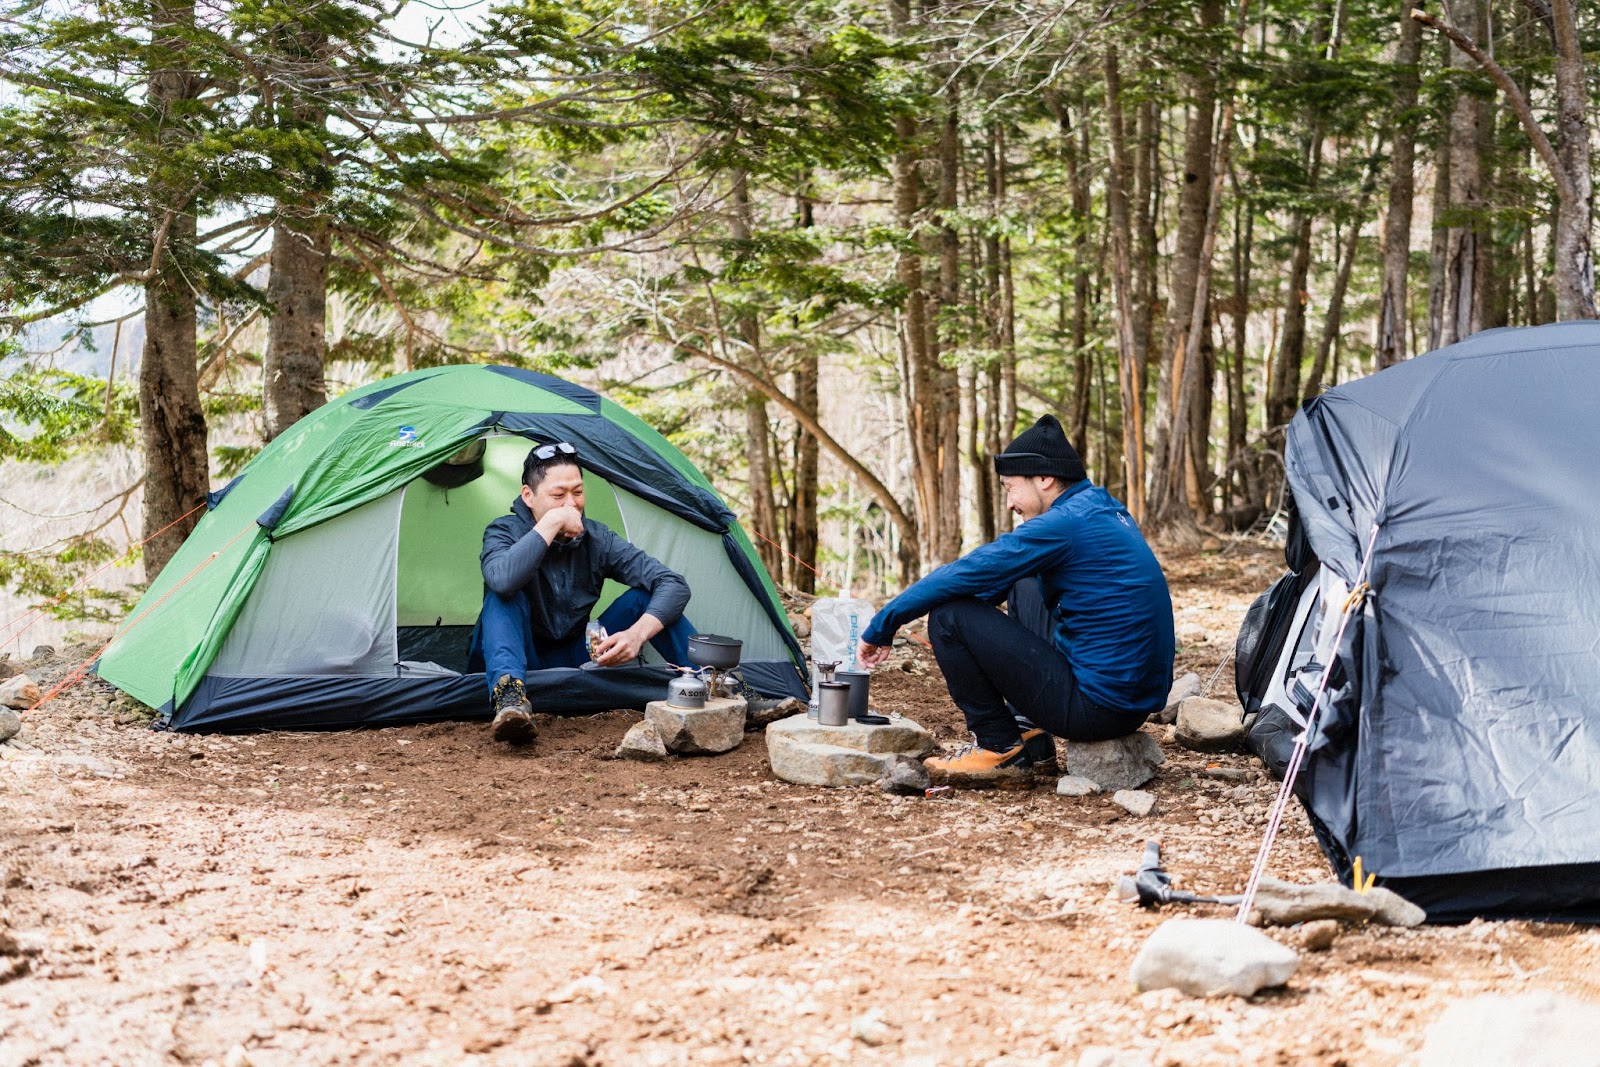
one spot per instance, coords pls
(421, 896)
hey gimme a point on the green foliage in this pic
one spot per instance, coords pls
(48, 415)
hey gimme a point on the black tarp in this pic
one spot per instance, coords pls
(1461, 749)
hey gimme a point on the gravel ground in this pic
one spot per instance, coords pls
(421, 896)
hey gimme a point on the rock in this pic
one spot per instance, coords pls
(642, 742)
(1125, 763)
(1191, 633)
(1074, 786)
(869, 1029)
(1134, 801)
(1539, 1029)
(1210, 725)
(42, 651)
(800, 625)
(1212, 957)
(19, 692)
(905, 776)
(1319, 936)
(1101, 1056)
(1182, 689)
(717, 727)
(1284, 903)
(803, 751)
(7, 668)
(10, 724)
(762, 711)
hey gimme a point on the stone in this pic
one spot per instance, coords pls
(762, 711)
(1538, 1029)
(1212, 958)
(1191, 633)
(1134, 801)
(717, 727)
(10, 724)
(642, 742)
(1125, 763)
(904, 776)
(805, 752)
(43, 651)
(870, 1029)
(8, 668)
(1074, 786)
(1206, 725)
(1102, 1056)
(1280, 903)
(19, 692)
(1182, 689)
(1319, 936)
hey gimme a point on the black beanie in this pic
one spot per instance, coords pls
(1042, 449)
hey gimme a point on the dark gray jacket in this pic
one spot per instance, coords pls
(563, 580)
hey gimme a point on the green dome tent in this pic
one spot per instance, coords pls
(335, 582)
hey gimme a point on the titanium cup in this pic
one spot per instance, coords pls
(833, 704)
(858, 681)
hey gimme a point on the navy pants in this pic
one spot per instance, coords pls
(1004, 673)
(504, 636)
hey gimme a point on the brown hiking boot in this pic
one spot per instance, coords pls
(1041, 749)
(513, 715)
(974, 767)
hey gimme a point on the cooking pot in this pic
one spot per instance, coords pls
(714, 650)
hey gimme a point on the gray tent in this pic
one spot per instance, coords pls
(1457, 751)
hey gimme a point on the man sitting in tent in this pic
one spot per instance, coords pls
(1108, 663)
(544, 566)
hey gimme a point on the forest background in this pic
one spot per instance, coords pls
(839, 253)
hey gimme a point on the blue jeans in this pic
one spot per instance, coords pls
(504, 636)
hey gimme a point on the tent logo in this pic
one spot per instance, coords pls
(406, 438)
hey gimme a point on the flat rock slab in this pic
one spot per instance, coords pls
(1282, 903)
(1540, 1029)
(717, 727)
(1212, 958)
(803, 751)
(1206, 725)
(642, 742)
(1125, 763)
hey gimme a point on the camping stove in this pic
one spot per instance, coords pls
(688, 690)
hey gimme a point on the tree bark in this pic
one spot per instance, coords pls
(1463, 259)
(1574, 223)
(804, 530)
(1130, 359)
(1390, 344)
(1168, 496)
(172, 424)
(946, 509)
(297, 288)
(1284, 396)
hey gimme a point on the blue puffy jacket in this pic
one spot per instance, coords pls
(1107, 597)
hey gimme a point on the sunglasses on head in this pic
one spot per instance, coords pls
(566, 448)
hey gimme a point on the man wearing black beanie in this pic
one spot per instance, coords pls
(1086, 652)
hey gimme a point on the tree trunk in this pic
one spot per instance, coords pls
(1077, 158)
(1284, 397)
(1390, 344)
(1130, 359)
(1146, 194)
(1574, 255)
(1440, 241)
(1463, 257)
(763, 506)
(947, 319)
(1168, 498)
(297, 288)
(171, 422)
(804, 535)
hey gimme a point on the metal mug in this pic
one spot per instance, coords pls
(833, 704)
(858, 681)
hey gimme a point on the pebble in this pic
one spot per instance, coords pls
(1182, 689)
(1134, 801)
(870, 1029)
(905, 776)
(642, 742)
(1319, 936)
(10, 724)
(1074, 785)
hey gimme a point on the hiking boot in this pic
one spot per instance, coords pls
(513, 715)
(974, 767)
(1040, 748)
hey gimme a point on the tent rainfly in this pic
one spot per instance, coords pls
(335, 582)
(1455, 745)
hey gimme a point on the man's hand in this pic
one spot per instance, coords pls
(560, 522)
(624, 646)
(870, 656)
